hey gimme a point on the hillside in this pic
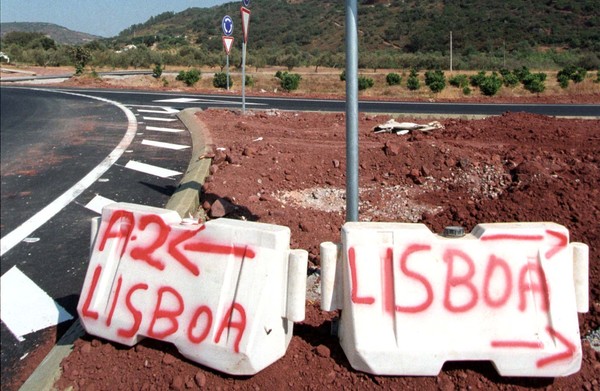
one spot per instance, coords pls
(59, 34)
(407, 25)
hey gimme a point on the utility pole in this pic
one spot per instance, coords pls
(450, 51)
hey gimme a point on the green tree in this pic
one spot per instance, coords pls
(81, 57)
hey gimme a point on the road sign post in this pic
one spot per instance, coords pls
(227, 26)
(245, 22)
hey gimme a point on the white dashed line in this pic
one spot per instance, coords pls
(167, 130)
(160, 119)
(150, 169)
(159, 144)
(99, 202)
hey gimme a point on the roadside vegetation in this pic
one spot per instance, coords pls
(396, 57)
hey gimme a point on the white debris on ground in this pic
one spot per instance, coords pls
(594, 339)
(402, 128)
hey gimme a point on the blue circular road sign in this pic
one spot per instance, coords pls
(246, 3)
(227, 25)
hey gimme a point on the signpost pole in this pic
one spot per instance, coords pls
(227, 72)
(351, 111)
(245, 23)
(244, 78)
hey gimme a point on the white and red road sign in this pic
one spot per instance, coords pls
(412, 300)
(245, 22)
(227, 43)
(225, 293)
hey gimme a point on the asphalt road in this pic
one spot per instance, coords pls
(59, 152)
(184, 100)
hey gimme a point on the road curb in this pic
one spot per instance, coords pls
(185, 201)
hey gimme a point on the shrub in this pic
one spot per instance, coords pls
(289, 81)
(393, 79)
(220, 80)
(459, 81)
(509, 79)
(522, 73)
(190, 77)
(563, 80)
(477, 79)
(250, 81)
(435, 80)
(534, 83)
(343, 76)
(490, 85)
(412, 83)
(365, 82)
(466, 90)
(157, 72)
(577, 74)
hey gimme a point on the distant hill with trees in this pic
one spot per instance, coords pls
(59, 34)
(487, 35)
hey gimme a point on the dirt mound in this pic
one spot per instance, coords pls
(289, 169)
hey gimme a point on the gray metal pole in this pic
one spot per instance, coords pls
(351, 110)
(244, 78)
(228, 72)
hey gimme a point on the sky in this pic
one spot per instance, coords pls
(106, 18)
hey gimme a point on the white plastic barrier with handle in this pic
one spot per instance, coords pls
(225, 293)
(412, 300)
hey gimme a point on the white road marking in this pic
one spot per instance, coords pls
(160, 119)
(159, 144)
(40, 218)
(179, 100)
(168, 130)
(166, 110)
(150, 169)
(98, 202)
(209, 101)
(25, 307)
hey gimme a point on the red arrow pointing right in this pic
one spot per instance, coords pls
(565, 355)
(563, 240)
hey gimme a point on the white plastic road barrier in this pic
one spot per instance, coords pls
(225, 293)
(411, 300)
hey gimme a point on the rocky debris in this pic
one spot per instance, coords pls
(220, 208)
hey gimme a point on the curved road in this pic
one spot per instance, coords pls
(61, 154)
